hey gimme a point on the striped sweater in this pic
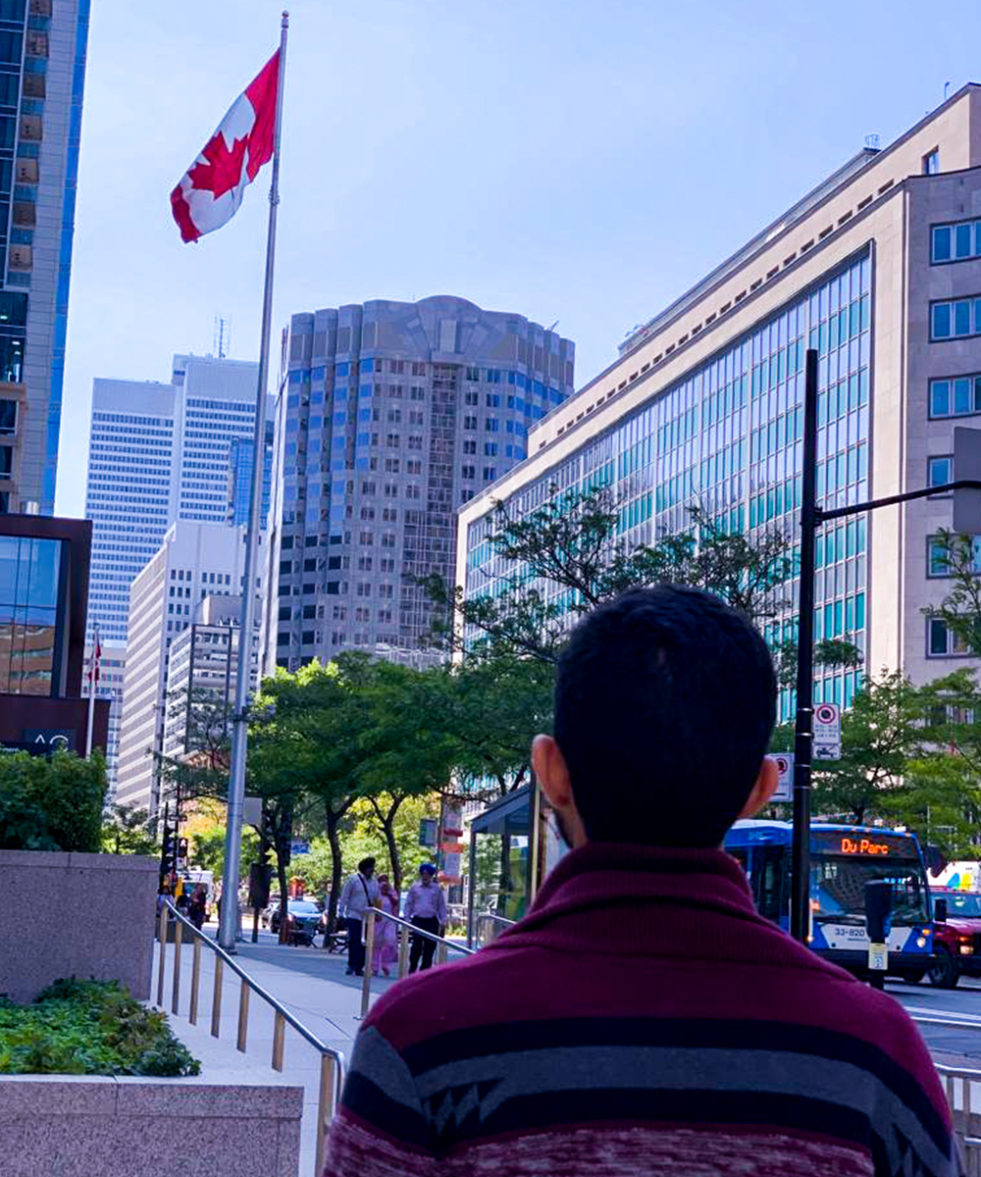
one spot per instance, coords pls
(642, 1019)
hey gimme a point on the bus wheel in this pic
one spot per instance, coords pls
(944, 972)
(914, 976)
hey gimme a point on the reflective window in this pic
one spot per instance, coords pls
(940, 470)
(955, 319)
(30, 572)
(956, 397)
(955, 242)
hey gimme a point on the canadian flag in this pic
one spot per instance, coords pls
(96, 663)
(210, 192)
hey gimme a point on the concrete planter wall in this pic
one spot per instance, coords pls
(81, 1126)
(83, 915)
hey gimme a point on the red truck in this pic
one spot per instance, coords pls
(956, 936)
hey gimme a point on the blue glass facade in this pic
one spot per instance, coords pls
(30, 594)
(66, 237)
(728, 437)
(240, 461)
(395, 414)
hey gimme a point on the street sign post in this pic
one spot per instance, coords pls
(966, 490)
(785, 767)
(827, 731)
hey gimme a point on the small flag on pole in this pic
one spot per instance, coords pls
(210, 192)
(96, 660)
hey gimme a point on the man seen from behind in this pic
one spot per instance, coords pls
(643, 1019)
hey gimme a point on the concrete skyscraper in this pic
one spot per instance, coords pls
(42, 75)
(159, 453)
(392, 415)
(195, 561)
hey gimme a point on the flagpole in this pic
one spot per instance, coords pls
(93, 663)
(228, 929)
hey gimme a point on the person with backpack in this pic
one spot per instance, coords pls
(360, 892)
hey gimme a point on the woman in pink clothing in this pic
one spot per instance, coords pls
(386, 933)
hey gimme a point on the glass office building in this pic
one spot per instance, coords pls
(878, 269)
(31, 589)
(728, 437)
(393, 414)
(240, 461)
(42, 76)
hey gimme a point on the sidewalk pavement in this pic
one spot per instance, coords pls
(309, 982)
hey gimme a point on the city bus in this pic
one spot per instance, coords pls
(843, 859)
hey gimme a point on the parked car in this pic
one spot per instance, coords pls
(956, 936)
(302, 920)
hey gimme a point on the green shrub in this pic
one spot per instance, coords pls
(89, 1028)
(51, 804)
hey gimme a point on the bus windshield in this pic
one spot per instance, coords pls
(838, 887)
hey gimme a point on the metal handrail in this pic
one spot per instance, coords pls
(443, 946)
(484, 916)
(331, 1060)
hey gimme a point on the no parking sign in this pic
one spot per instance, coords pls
(785, 767)
(827, 731)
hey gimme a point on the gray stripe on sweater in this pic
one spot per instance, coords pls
(522, 1073)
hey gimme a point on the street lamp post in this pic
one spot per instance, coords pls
(967, 516)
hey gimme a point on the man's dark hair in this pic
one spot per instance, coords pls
(664, 703)
(366, 864)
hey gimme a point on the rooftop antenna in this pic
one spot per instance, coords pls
(554, 325)
(946, 88)
(222, 338)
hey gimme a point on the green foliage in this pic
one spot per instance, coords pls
(208, 849)
(955, 557)
(202, 770)
(571, 543)
(51, 804)
(128, 832)
(911, 756)
(89, 1028)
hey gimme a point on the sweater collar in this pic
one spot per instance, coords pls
(613, 873)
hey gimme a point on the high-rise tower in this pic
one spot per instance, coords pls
(395, 413)
(42, 74)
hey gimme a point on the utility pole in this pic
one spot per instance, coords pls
(966, 488)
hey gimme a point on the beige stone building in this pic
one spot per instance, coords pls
(880, 268)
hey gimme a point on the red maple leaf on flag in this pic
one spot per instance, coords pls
(223, 171)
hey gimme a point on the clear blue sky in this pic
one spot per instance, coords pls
(578, 160)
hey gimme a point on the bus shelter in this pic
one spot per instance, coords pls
(513, 845)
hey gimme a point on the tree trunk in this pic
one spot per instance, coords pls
(336, 870)
(387, 822)
(283, 896)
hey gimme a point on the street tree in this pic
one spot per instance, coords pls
(128, 830)
(958, 557)
(565, 557)
(201, 768)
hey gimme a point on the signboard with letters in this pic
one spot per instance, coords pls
(785, 766)
(827, 731)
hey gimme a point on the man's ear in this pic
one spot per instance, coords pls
(551, 771)
(763, 790)
(552, 774)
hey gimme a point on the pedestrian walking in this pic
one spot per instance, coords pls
(385, 953)
(360, 892)
(163, 895)
(197, 908)
(425, 908)
(643, 1018)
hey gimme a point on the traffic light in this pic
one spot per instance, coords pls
(182, 849)
(168, 850)
(260, 877)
